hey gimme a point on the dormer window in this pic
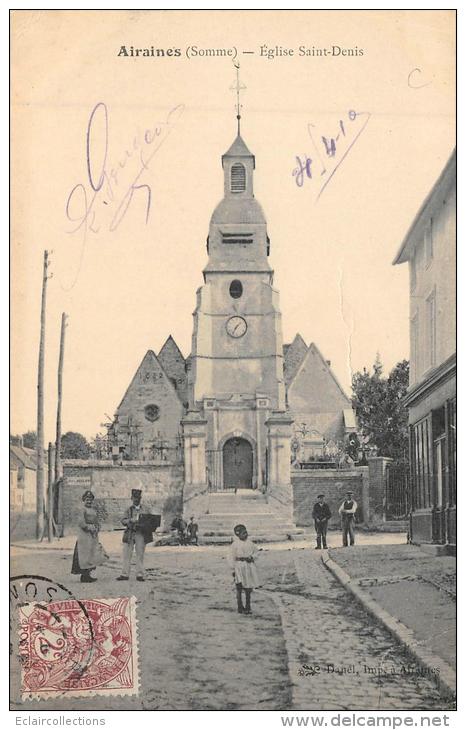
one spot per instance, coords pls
(238, 178)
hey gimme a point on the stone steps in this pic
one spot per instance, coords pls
(225, 531)
(248, 507)
(259, 539)
(271, 522)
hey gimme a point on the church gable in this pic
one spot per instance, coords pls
(171, 359)
(293, 355)
(314, 387)
(150, 410)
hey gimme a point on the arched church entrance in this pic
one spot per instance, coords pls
(237, 464)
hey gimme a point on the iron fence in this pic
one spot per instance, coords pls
(214, 469)
(397, 491)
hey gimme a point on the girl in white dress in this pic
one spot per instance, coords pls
(242, 561)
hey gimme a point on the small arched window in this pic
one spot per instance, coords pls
(236, 289)
(238, 178)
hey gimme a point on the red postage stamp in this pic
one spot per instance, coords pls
(78, 648)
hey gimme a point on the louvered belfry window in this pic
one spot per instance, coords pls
(237, 237)
(238, 178)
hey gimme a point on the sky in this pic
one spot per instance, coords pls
(116, 169)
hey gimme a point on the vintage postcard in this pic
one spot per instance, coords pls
(233, 433)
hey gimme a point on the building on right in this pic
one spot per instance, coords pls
(430, 249)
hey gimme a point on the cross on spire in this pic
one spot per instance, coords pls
(238, 87)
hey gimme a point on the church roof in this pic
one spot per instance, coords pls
(170, 347)
(27, 457)
(149, 361)
(172, 361)
(293, 355)
(233, 210)
(238, 149)
(316, 371)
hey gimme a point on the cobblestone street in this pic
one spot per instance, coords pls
(307, 646)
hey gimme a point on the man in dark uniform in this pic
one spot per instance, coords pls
(135, 537)
(321, 514)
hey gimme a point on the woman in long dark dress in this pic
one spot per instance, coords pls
(88, 552)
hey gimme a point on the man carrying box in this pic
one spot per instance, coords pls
(139, 532)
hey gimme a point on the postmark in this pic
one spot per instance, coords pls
(77, 648)
(38, 589)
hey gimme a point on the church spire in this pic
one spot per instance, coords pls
(238, 87)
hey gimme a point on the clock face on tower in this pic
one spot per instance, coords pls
(236, 326)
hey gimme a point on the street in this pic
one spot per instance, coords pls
(307, 646)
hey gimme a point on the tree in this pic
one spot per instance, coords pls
(27, 439)
(381, 414)
(30, 439)
(74, 446)
(98, 446)
(352, 446)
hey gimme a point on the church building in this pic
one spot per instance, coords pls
(233, 409)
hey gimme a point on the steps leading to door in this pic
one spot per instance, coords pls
(249, 507)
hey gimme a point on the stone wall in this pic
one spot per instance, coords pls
(22, 525)
(161, 484)
(334, 484)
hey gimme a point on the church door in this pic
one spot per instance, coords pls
(237, 464)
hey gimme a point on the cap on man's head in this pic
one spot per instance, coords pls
(349, 491)
(320, 495)
(238, 529)
(87, 495)
(136, 492)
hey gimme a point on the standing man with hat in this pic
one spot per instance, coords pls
(135, 537)
(321, 514)
(347, 511)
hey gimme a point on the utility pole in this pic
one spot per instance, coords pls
(50, 491)
(58, 465)
(40, 408)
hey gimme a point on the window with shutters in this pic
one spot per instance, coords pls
(421, 463)
(429, 242)
(431, 307)
(238, 178)
(412, 275)
(414, 364)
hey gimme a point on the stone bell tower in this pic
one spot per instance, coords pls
(237, 341)
(236, 381)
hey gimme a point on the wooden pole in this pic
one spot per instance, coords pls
(50, 491)
(40, 409)
(58, 464)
